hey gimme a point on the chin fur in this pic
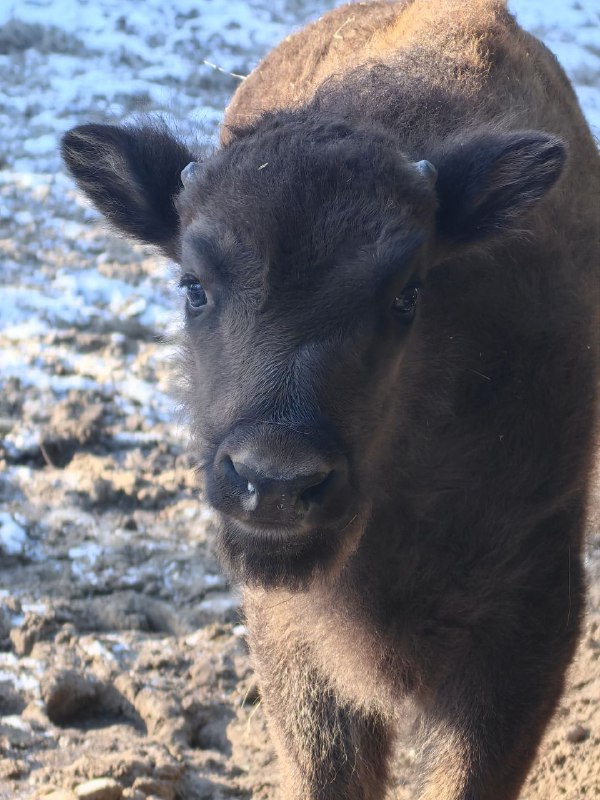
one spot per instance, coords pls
(280, 559)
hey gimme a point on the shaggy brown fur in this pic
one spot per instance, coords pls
(402, 485)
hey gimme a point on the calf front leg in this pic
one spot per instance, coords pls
(486, 757)
(484, 721)
(328, 750)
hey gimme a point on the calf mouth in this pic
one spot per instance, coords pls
(272, 556)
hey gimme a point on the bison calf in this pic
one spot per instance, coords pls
(391, 278)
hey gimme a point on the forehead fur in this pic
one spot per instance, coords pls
(293, 187)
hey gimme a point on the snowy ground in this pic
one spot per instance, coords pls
(121, 652)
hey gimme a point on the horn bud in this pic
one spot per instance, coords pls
(427, 170)
(189, 173)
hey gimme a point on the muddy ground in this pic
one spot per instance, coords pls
(122, 651)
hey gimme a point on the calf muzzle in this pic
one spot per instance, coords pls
(272, 478)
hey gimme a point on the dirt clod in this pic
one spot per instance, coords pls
(11, 701)
(577, 734)
(68, 696)
(35, 628)
(99, 789)
(13, 769)
(149, 786)
(5, 624)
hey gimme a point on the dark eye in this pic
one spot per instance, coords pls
(196, 296)
(405, 304)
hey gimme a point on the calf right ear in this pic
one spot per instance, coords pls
(132, 176)
(487, 183)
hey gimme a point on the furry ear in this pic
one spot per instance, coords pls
(487, 182)
(131, 175)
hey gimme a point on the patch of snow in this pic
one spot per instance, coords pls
(96, 649)
(211, 581)
(132, 438)
(117, 643)
(41, 144)
(24, 673)
(83, 561)
(194, 638)
(13, 538)
(220, 602)
(38, 607)
(14, 721)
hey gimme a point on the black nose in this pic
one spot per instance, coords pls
(262, 487)
(274, 493)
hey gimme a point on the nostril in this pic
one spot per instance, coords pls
(236, 471)
(230, 473)
(314, 493)
(236, 477)
(243, 470)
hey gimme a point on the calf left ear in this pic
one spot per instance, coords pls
(131, 175)
(486, 183)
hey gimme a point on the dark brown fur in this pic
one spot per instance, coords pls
(445, 564)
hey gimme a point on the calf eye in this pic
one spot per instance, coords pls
(405, 304)
(196, 296)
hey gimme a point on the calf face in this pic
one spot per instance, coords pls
(305, 246)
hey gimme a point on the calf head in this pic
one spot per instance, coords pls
(304, 247)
